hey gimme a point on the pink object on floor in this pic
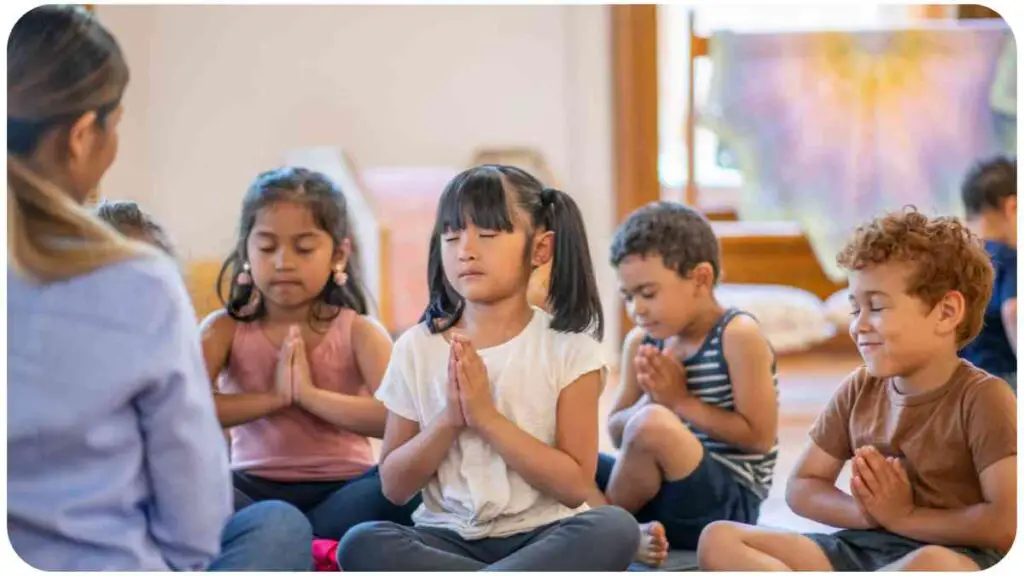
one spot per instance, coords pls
(325, 555)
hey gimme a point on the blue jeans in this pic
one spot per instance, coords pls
(333, 507)
(266, 537)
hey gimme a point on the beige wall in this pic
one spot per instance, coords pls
(220, 93)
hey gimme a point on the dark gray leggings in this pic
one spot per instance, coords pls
(599, 540)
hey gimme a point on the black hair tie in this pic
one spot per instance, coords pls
(547, 196)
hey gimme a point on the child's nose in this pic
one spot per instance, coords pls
(282, 260)
(635, 309)
(859, 323)
(467, 248)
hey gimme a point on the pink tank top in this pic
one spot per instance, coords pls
(292, 445)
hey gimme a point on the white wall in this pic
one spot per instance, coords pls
(220, 93)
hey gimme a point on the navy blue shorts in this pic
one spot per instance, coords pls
(711, 492)
(870, 550)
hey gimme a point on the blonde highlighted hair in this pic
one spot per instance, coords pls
(50, 237)
(61, 64)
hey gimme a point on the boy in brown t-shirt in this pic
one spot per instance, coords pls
(933, 439)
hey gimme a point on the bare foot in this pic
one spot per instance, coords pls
(653, 544)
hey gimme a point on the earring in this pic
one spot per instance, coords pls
(340, 277)
(254, 301)
(244, 277)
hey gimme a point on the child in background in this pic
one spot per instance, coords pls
(990, 198)
(932, 438)
(296, 358)
(696, 412)
(493, 404)
(127, 218)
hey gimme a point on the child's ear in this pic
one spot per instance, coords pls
(950, 312)
(543, 248)
(703, 275)
(1010, 207)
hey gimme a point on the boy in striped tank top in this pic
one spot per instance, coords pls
(696, 414)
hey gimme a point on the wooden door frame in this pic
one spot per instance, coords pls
(634, 42)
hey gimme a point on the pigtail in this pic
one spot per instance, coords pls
(573, 296)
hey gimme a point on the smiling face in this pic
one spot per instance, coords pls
(896, 333)
(918, 285)
(291, 257)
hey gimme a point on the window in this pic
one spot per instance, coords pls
(716, 172)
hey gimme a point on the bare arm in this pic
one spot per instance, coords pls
(991, 524)
(754, 423)
(1009, 311)
(566, 470)
(812, 493)
(363, 415)
(410, 457)
(629, 397)
(218, 331)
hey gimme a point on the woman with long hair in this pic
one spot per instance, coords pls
(115, 458)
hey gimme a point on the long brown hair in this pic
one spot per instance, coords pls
(61, 63)
(329, 208)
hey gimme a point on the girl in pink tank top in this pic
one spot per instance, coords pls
(296, 359)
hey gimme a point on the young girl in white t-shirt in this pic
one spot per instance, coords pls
(492, 403)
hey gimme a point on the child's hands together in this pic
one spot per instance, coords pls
(292, 378)
(453, 410)
(302, 379)
(661, 376)
(881, 487)
(869, 521)
(284, 386)
(474, 386)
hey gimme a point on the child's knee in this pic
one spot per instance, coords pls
(649, 426)
(617, 523)
(717, 537)
(280, 519)
(615, 532)
(359, 543)
(937, 559)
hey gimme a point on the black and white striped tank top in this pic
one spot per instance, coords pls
(707, 378)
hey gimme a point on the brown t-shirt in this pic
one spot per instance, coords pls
(945, 437)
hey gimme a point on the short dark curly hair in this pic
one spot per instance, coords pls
(943, 254)
(679, 234)
(988, 184)
(129, 219)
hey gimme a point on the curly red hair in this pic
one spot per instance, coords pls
(944, 254)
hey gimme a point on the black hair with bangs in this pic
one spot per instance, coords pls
(482, 195)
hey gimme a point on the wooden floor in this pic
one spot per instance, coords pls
(806, 382)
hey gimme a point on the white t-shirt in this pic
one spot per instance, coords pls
(473, 492)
